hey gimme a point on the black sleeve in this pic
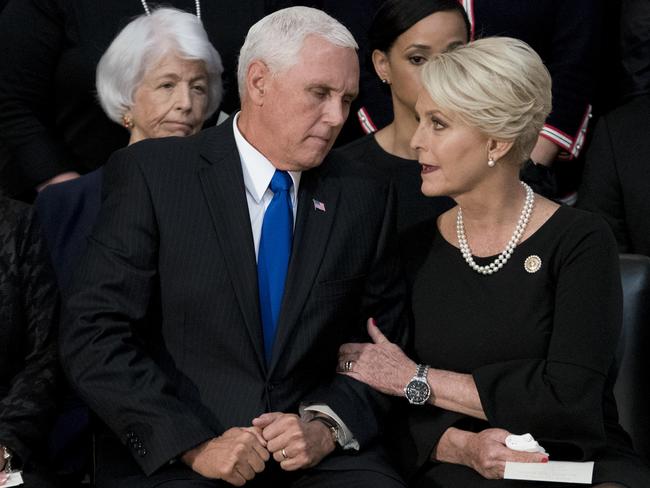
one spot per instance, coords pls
(635, 46)
(571, 62)
(558, 399)
(111, 297)
(32, 34)
(361, 408)
(600, 190)
(27, 409)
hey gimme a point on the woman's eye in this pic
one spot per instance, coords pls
(417, 60)
(199, 88)
(167, 85)
(437, 125)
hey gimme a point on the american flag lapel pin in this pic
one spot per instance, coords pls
(318, 205)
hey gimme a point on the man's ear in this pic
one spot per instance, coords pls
(382, 65)
(258, 78)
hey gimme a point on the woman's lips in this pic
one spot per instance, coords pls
(428, 168)
(182, 126)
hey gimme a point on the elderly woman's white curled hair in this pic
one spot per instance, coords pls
(498, 85)
(144, 42)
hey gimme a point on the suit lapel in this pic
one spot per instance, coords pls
(311, 235)
(222, 182)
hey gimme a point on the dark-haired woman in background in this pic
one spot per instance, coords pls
(403, 36)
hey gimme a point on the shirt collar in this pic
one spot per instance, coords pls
(257, 169)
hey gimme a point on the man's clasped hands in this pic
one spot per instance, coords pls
(240, 453)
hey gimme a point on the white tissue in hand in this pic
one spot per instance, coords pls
(524, 442)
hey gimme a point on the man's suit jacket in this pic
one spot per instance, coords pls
(162, 334)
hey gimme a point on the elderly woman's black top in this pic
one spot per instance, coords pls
(28, 359)
(50, 120)
(539, 345)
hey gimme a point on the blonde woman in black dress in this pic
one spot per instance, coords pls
(516, 301)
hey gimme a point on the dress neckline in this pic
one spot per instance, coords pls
(531, 237)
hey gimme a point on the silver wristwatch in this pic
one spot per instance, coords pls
(417, 391)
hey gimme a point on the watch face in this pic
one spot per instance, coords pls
(417, 392)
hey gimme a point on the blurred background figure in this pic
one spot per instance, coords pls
(28, 357)
(617, 174)
(403, 35)
(160, 77)
(51, 126)
(635, 47)
(617, 169)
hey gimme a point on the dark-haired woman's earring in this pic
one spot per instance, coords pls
(491, 162)
(385, 81)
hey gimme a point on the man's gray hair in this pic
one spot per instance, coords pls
(142, 44)
(278, 38)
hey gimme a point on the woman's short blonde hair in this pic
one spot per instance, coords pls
(498, 85)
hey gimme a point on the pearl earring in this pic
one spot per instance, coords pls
(491, 162)
(385, 81)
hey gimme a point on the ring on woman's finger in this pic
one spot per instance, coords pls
(284, 453)
(347, 367)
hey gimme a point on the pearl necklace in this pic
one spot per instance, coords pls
(197, 4)
(502, 258)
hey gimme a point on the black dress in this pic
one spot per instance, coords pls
(412, 206)
(539, 346)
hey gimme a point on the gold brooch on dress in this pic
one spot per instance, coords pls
(533, 263)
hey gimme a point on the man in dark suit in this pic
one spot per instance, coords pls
(203, 335)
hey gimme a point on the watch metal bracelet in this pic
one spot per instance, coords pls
(331, 425)
(422, 371)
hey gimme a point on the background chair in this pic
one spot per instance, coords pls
(632, 389)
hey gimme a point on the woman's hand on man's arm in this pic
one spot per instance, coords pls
(384, 366)
(484, 451)
(380, 364)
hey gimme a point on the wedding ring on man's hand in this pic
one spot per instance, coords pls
(284, 453)
(347, 367)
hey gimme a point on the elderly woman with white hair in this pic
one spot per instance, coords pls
(160, 77)
(516, 301)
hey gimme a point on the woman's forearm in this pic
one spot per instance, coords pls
(455, 392)
(451, 446)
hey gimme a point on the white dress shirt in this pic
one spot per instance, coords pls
(258, 171)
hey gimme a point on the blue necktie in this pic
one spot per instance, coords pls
(273, 256)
